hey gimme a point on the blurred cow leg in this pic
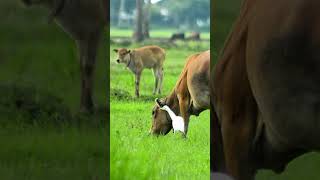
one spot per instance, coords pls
(88, 51)
(217, 162)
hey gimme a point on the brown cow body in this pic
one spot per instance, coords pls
(84, 21)
(190, 96)
(266, 91)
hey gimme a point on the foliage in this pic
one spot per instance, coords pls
(180, 14)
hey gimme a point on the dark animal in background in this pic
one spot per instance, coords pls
(84, 21)
(194, 36)
(177, 36)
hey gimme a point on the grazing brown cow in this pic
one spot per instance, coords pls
(84, 21)
(189, 97)
(266, 90)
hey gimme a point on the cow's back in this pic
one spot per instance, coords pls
(151, 56)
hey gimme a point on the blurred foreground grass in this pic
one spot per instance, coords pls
(42, 135)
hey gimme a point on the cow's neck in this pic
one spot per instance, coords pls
(173, 102)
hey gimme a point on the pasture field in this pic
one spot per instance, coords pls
(154, 33)
(42, 135)
(304, 167)
(136, 155)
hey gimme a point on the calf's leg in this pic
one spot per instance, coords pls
(160, 75)
(156, 80)
(137, 83)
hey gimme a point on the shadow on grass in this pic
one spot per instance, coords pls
(28, 105)
(123, 95)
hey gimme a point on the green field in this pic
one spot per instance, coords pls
(156, 33)
(304, 167)
(42, 135)
(134, 154)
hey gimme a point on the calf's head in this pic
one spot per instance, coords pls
(123, 55)
(161, 121)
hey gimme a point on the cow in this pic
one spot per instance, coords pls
(136, 60)
(190, 96)
(177, 36)
(194, 36)
(265, 91)
(84, 21)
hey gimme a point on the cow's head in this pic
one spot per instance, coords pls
(161, 121)
(123, 55)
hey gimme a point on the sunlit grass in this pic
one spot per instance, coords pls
(134, 154)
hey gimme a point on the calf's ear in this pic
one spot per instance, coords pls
(115, 50)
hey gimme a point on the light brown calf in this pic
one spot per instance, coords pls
(151, 57)
(189, 97)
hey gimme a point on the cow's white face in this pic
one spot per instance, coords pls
(161, 122)
(123, 55)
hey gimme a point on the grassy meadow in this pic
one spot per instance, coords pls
(136, 155)
(154, 33)
(42, 135)
(304, 167)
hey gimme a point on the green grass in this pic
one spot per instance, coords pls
(156, 33)
(40, 61)
(134, 154)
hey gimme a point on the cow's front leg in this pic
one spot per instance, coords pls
(237, 133)
(137, 83)
(183, 104)
(87, 50)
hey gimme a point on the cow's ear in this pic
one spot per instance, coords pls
(115, 50)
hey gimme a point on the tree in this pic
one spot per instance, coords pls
(121, 10)
(138, 34)
(146, 19)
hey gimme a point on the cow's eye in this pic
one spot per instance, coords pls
(153, 112)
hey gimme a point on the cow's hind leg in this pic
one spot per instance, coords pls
(217, 161)
(238, 128)
(87, 52)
